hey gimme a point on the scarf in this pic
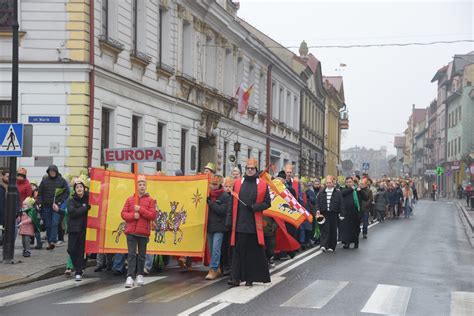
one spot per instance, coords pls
(356, 199)
(214, 194)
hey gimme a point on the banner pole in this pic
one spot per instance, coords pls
(135, 172)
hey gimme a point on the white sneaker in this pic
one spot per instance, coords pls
(140, 280)
(323, 249)
(129, 282)
(330, 250)
(59, 243)
(78, 277)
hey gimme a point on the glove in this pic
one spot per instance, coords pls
(341, 218)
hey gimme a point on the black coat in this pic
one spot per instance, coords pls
(77, 213)
(350, 225)
(217, 213)
(48, 186)
(364, 199)
(336, 204)
(246, 214)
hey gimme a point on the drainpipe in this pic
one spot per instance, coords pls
(269, 112)
(91, 83)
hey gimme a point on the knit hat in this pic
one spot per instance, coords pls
(282, 174)
(29, 202)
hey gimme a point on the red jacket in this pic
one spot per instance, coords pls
(142, 225)
(24, 189)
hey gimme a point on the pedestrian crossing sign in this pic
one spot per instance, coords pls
(11, 135)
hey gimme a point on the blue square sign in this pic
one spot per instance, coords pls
(11, 135)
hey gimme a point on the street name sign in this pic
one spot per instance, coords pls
(430, 172)
(132, 155)
(44, 119)
(11, 136)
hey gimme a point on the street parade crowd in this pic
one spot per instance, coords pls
(242, 243)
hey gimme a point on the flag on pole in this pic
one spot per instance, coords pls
(284, 205)
(243, 96)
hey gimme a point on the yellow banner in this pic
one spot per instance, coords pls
(179, 228)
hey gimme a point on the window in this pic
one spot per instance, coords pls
(159, 143)
(240, 71)
(5, 117)
(252, 82)
(274, 101)
(187, 60)
(459, 144)
(105, 18)
(226, 144)
(138, 26)
(211, 62)
(165, 37)
(229, 72)
(104, 134)
(262, 88)
(183, 150)
(249, 152)
(6, 15)
(289, 108)
(281, 105)
(296, 112)
(455, 147)
(260, 159)
(135, 134)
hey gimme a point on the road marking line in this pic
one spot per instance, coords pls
(388, 300)
(244, 294)
(194, 309)
(299, 256)
(316, 295)
(215, 309)
(106, 292)
(462, 303)
(42, 291)
(178, 290)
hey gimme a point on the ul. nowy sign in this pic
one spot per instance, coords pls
(136, 154)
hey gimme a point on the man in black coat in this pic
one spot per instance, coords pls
(329, 203)
(52, 193)
(351, 216)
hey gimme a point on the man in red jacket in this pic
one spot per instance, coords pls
(138, 220)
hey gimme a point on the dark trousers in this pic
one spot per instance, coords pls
(61, 229)
(329, 230)
(226, 253)
(270, 242)
(365, 222)
(381, 216)
(136, 266)
(248, 261)
(75, 249)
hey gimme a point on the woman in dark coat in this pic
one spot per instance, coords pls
(351, 217)
(77, 207)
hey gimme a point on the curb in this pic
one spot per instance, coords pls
(47, 273)
(467, 222)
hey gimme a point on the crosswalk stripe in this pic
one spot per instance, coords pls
(194, 309)
(316, 295)
(41, 291)
(106, 292)
(215, 309)
(177, 290)
(244, 294)
(462, 303)
(388, 300)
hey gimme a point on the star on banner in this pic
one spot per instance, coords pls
(197, 197)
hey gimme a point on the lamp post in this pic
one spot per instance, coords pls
(12, 195)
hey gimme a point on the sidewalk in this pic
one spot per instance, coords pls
(467, 217)
(41, 265)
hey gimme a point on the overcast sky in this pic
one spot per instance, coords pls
(380, 83)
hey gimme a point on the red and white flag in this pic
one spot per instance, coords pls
(243, 96)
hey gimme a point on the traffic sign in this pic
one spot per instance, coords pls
(439, 170)
(136, 154)
(430, 172)
(365, 166)
(11, 135)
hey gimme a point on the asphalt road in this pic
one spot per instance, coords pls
(420, 266)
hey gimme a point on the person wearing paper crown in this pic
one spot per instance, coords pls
(250, 198)
(218, 203)
(138, 218)
(77, 208)
(52, 193)
(210, 168)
